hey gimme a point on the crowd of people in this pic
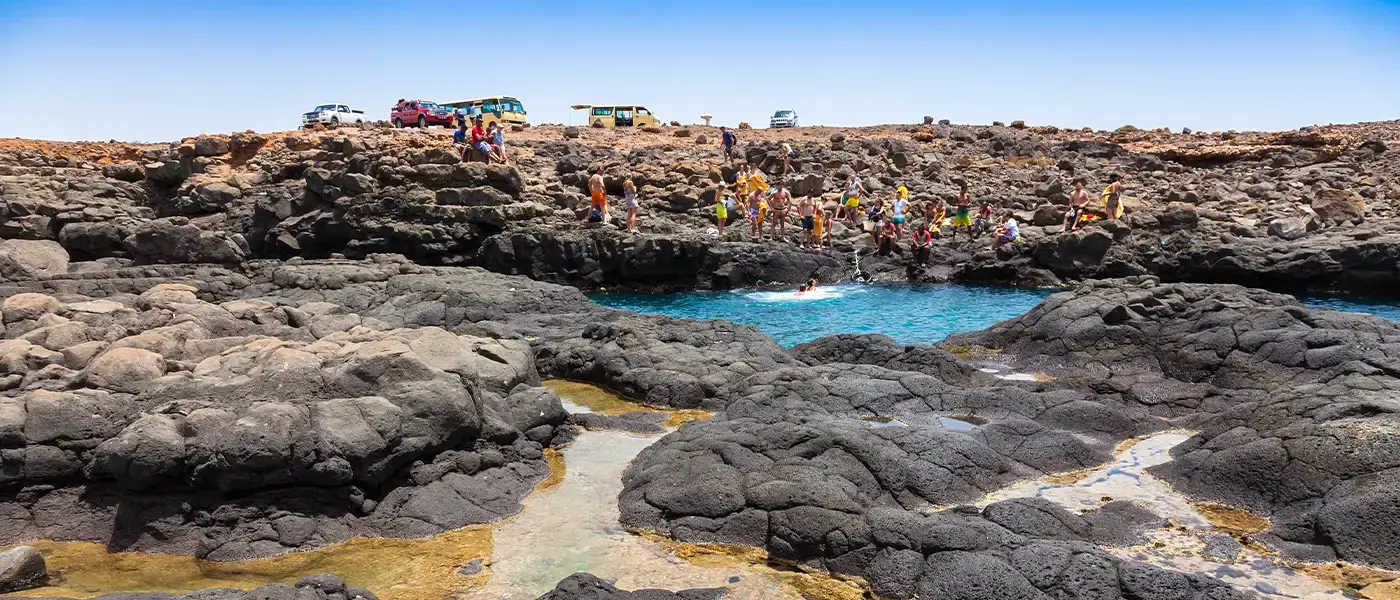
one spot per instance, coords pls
(489, 141)
(747, 195)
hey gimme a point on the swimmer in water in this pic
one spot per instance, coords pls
(811, 285)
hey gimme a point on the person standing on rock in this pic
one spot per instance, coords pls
(788, 155)
(805, 212)
(1113, 197)
(599, 196)
(962, 215)
(629, 194)
(721, 208)
(757, 210)
(727, 139)
(850, 200)
(1078, 202)
(897, 211)
(780, 203)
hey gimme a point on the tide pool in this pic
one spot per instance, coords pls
(911, 314)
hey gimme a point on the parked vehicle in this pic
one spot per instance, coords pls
(494, 109)
(627, 115)
(783, 118)
(331, 114)
(420, 113)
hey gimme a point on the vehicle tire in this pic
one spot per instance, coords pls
(423, 122)
(398, 123)
(359, 121)
(335, 120)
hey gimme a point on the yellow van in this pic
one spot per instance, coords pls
(493, 109)
(629, 115)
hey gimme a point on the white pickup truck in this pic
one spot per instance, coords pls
(331, 114)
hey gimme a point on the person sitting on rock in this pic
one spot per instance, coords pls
(459, 140)
(923, 243)
(886, 237)
(983, 223)
(934, 212)
(498, 141)
(1078, 203)
(481, 141)
(1010, 232)
(1113, 197)
(877, 217)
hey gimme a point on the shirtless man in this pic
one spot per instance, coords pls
(757, 211)
(778, 205)
(806, 211)
(1078, 200)
(599, 197)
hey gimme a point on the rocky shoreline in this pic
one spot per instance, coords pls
(1311, 210)
(243, 347)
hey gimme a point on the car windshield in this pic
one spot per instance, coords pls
(783, 113)
(512, 106)
(427, 105)
(323, 107)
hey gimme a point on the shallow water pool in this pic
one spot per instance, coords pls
(911, 314)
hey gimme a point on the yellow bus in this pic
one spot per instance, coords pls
(629, 115)
(493, 109)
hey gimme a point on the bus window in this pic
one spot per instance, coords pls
(490, 106)
(641, 110)
(602, 112)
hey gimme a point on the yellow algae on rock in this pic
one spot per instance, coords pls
(604, 402)
(1231, 519)
(394, 569)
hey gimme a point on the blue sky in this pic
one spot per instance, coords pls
(155, 70)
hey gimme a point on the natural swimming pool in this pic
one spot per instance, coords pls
(911, 314)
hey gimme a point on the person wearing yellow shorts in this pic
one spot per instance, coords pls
(850, 201)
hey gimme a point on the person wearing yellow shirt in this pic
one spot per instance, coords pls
(756, 180)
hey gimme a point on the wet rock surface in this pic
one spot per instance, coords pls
(237, 411)
(322, 586)
(583, 586)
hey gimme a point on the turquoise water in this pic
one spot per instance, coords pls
(911, 314)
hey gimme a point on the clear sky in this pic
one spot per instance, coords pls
(155, 70)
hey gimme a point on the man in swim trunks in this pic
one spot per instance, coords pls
(757, 211)
(779, 204)
(805, 212)
(599, 197)
(849, 205)
(1010, 232)
(962, 216)
(1078, 202)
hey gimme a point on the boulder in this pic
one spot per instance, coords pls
(21, 568)
(208, 145)
(175, 240)
(1049, 214)
(27, 306)
(1289, 228)
(125, 369)
(1336, 206)
(32, 259)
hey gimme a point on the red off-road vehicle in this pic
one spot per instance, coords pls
(420, 113)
